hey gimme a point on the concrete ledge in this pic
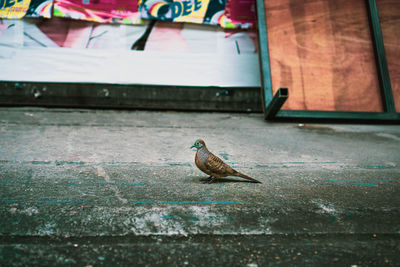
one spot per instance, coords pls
(132, 96)
(198, 250)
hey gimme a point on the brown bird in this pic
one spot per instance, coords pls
(212, 165)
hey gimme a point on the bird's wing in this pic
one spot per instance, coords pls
(217, 166)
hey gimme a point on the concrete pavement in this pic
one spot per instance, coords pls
(91, 187)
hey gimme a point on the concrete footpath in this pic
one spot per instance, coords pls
(90, 187)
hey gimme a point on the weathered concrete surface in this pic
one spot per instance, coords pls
(257, 250)
(99, 187)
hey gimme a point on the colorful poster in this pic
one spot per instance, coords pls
(17, 9)
(194, 11)
(13, 9)
(40, 8)
(102, 11)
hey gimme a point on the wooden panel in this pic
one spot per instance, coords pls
(322, 51)
(389, 16)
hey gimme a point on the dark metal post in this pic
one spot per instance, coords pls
(383, 71)
(275, 105)
(265, 70)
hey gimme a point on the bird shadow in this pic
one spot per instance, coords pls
(219, 180)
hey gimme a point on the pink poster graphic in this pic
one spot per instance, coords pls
(240, 14)
(102, 11)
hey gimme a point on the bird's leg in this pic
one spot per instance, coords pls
(210, 180)
(207, 180)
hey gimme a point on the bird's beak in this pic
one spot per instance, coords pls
(192, 146)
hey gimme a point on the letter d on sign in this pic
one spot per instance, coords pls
(176, 9)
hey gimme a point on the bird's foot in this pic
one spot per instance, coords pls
(205, 179)
(209, 180)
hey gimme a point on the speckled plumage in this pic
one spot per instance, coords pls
(212, 165)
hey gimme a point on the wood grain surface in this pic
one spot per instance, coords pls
(322, 51)
(389, 16)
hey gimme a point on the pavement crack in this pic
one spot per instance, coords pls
(101, 172)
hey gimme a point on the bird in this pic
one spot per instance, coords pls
(212, 165)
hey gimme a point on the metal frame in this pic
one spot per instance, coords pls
(272, 104)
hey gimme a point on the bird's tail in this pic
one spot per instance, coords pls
(246, 177)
